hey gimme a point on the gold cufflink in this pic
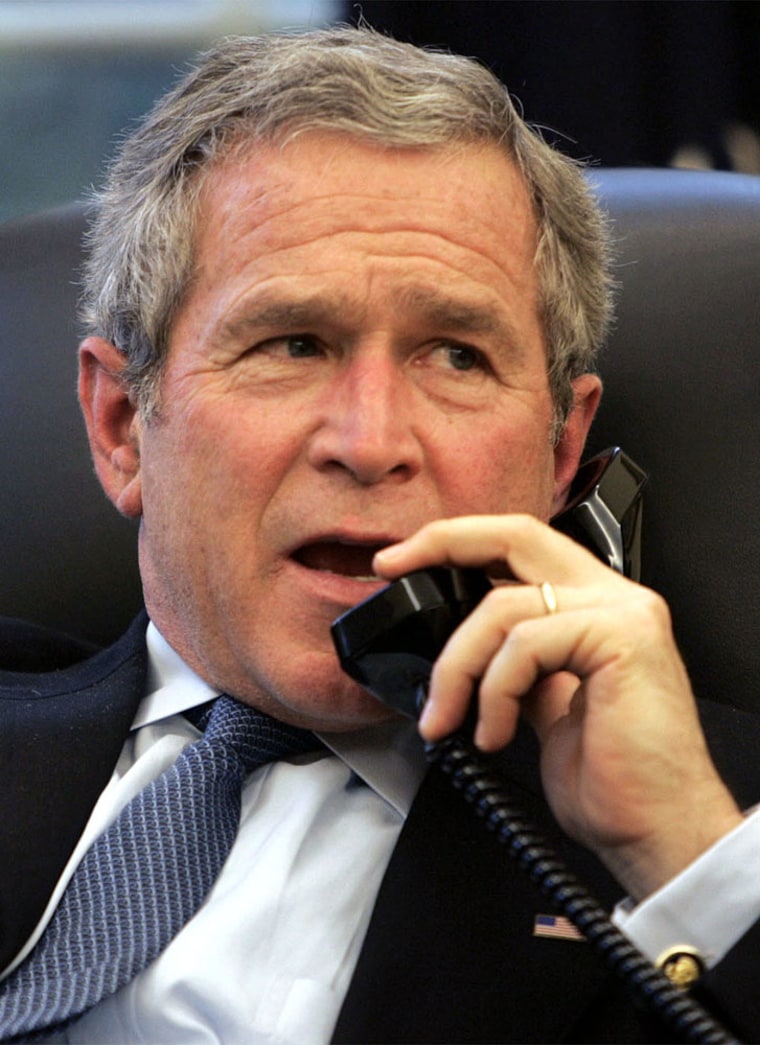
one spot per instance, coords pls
(683, 965)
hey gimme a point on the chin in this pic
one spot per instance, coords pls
(319, 696)
(343, 709)
(353, 722)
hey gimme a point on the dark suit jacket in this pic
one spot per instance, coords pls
(449, 955)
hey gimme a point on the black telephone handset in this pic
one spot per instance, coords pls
(389, 643)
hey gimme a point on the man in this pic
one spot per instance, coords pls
(343, 307)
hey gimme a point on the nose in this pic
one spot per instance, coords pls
(366, 425)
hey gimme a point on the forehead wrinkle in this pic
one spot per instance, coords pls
(446, 312)
(289, 315)
(442, 310)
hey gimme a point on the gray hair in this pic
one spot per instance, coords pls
(271, 88)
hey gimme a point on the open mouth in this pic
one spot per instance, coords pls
(348, 560)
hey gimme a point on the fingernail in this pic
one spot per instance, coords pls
(425, 717)
(479, 738)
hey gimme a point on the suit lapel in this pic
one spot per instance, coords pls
(450, 953)
(60, 736)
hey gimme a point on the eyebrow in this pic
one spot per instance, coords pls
(433, 307)
(445, 311)
(287, 315)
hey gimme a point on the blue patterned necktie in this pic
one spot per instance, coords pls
(146, 876)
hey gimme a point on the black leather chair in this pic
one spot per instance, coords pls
(681, 374)
(67, 559)
(682, 396)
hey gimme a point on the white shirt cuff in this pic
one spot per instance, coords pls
(708, 906)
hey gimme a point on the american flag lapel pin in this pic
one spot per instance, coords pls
(556, 927)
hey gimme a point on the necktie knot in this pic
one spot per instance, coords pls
(252, 736)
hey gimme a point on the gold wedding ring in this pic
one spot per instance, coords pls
(548, 597)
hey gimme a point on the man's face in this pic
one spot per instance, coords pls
(360, 353)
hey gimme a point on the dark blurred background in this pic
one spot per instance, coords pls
(669, 82)
(627, 83)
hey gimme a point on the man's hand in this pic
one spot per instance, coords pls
(624, 761)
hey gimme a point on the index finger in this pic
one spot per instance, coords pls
(531, 550)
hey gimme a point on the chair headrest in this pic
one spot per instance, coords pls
(681, 374)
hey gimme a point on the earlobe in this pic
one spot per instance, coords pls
(113, 425)
(567, 453)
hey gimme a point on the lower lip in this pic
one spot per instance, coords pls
(336, 588)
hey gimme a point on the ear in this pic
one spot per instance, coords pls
(113, 425)
(587, 390)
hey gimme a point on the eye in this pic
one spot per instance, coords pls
(460, 357)
(295, 346)
(301, 346)
(463, 358)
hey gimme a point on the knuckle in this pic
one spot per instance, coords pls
(505, 605)
(524, 527)
(650, 611)
(435, 533)
(522, 636)
(498, 599)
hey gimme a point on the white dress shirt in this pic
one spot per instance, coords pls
(269, 956)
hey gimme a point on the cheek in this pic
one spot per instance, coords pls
(497, 468)
(220, 454)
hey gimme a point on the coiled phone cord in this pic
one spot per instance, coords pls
(459, 760)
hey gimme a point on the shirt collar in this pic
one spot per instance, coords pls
(389, 758)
